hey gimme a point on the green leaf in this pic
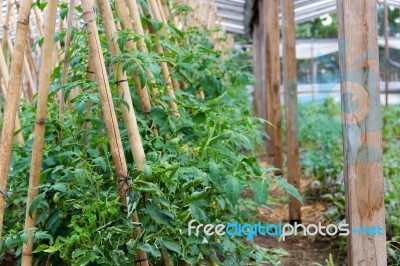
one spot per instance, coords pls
(197, 195)
(198, 213)
(157, 215)
(260, 188)
(288, 188)
(42, 235)
(62, 187)
(171, 245)
(36, 202)
(78, 173)
(233, 188)
(152, 249)
(100, 161)
(199, 118)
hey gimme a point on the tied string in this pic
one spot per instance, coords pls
(85, 24)
(4, 194)
(124, 180)
(140, 260)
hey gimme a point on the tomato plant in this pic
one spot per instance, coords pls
(198, 166)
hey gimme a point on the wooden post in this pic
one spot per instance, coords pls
(386, 33)
(362, 137)
(39, 132)
(263, 65)
(274, 80)
(290, 86)
(12, 104)
(110, 118)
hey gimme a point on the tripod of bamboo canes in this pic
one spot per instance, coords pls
(141, 89)
(137, 26)
(12, 104)
(39, 131)
(110, 118)
(163, 64)
(123, 87)
(66, 57)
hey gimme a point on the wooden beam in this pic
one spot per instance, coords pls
(256, 66)
(386, 33)
(290, 86)
(274, 80)
(361, 122)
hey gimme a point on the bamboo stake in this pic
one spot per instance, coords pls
(71, 9)
(137, 25)
(12, 103)
(38, 21)
(39, 131)
(31, 60)
(28, 75)
(141, 91)
(5, 26)
(110, 118)
(164, 12)
(164, 66)
(5, 75)
(27, 71)
(123, 87)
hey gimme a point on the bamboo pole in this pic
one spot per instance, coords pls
(137, 25)
(70, 19)
(28, 75)
(31, 60)
(27, 71)
(290, 86)
(164, 66)
(5, 75)
(12, 103)
(38, 21)
(164, 14)
(362, 135)
(39, 131)
(5, 25)
(141, 90)
(110, 118)
(123, 87)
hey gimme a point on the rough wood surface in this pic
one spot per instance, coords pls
(290, 87)
(362, 138)
(274, 81)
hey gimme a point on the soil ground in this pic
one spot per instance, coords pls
(303, 250)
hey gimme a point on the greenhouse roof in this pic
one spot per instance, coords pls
(237, 14)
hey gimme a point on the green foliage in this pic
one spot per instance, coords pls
(198, 167)
(321, 157)
(321, 140)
